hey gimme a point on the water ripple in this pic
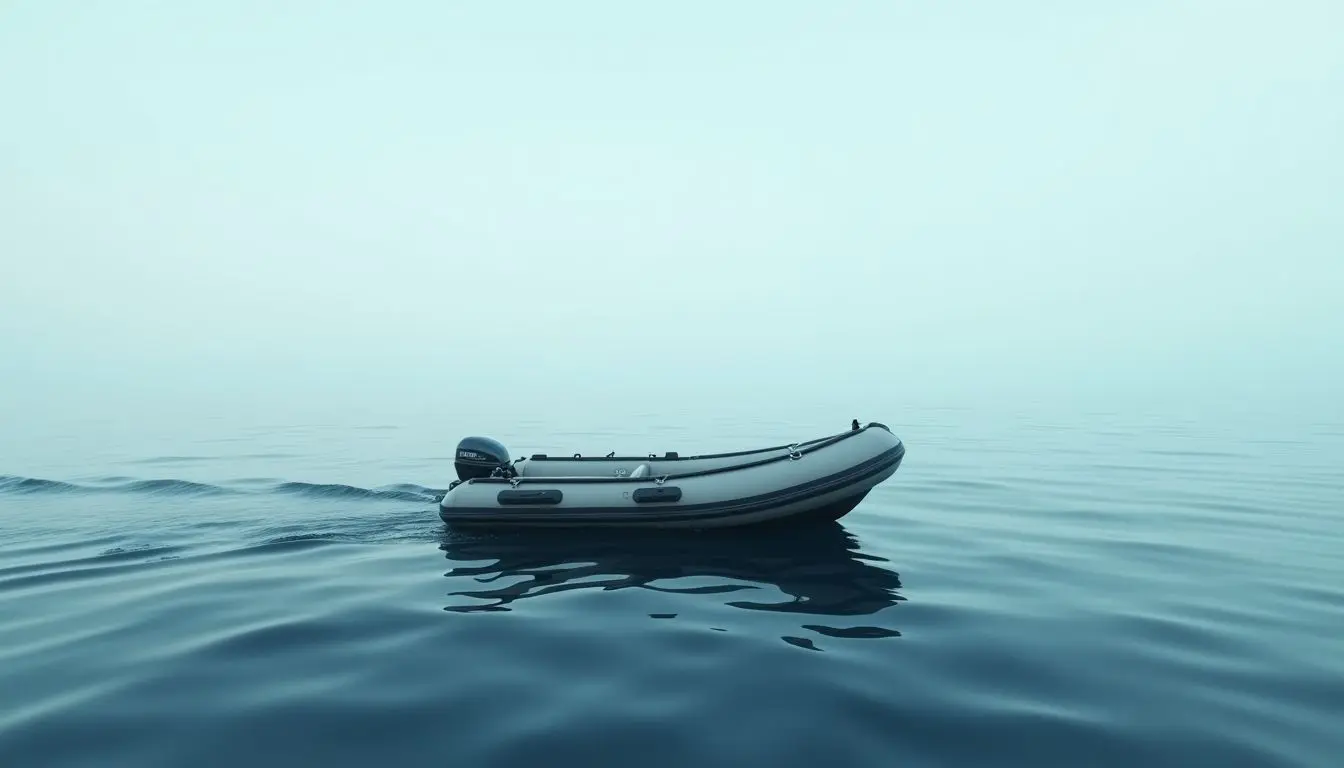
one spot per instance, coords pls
(1050, 595)
(170, 487)
(816, 572)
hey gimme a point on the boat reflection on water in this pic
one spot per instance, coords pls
(819, 568)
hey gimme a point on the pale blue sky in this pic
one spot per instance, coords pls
(284, 204)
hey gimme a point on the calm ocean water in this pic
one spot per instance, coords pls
(1097, 589)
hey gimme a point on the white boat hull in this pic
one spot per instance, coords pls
(823, 478)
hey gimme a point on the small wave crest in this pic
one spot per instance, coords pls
(12, 484)
(339, 491)
(164, 487)
(174, 488)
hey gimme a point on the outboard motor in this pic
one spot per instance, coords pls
(480, 457)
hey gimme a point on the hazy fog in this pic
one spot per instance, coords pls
(398, 207)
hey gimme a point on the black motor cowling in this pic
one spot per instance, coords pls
(479, 457)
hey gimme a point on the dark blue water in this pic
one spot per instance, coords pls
(1094, 589)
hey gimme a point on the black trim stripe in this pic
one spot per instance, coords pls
(803, 449)
(539, 457)
(890, 459)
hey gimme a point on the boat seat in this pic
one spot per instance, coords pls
(641, 471)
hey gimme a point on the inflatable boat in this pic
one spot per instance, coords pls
(821, 479)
